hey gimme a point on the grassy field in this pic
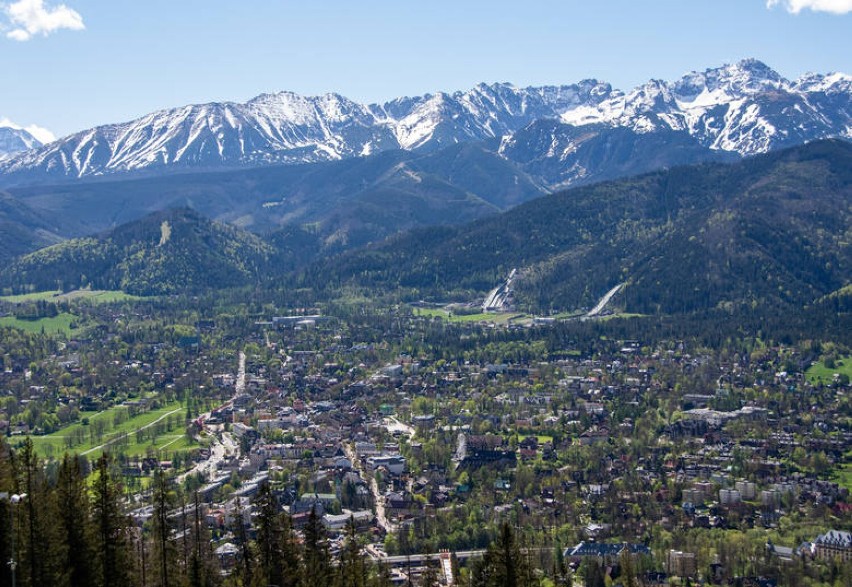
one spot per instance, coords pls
(843, 476)
(31, 297)
(96, 296)
(170, 442)
(622, 315)
(57, 442)
(820, 373)
(567, 315)
(56, 324)
(479, 317)
(542, 438)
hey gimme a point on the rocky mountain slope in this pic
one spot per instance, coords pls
(745, 108)
(14, 140)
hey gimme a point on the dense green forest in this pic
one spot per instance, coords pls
(166, 252)
(769, 234)
(772, 231)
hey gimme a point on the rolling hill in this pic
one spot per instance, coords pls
(166, 252)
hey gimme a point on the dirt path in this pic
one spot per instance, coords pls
(112, 440)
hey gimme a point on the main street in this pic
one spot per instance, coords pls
(378, 499)
(224, 445)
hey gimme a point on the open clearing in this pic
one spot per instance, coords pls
(120, 438)
(98, 296)
(819, 373)
(478, 317)
(53, 325)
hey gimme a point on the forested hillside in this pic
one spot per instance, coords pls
(774, 229)
(166, 252)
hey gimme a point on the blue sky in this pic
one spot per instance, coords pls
(74, 64)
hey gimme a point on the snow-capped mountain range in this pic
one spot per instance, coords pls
(745, 108)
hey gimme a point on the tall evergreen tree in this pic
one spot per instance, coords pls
(278, 562)
(430, 574)
(593, 574)
(7, 485)
(246, 560)
(382, 577)
(39, 563)
(113, 549)
(164, 568)
(75, 523)
(503, 564)
(316, 560)
(202, 571)
(628, 570)
(351, 572)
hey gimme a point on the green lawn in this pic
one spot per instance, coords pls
(843, 476)
(60, 323)
(566, 315)
(31, 297)
(56, 444)
(820, 373)
(97, 296)
(478, 317)
(622, 315)
(170, 442)
(542, 438)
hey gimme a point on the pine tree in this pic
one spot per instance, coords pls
(39, 563)
(382, 577)
(113, 553)
(278, 562)
(430, 574)
(316, 560)
(75, 523)
(246, 563)
(561, 574)
(593, 574)
(164, 568)
(352, 572)
(628, 572)
(7, 485)
(503, 564)
(202, 571)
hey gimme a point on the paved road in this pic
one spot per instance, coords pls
(224, 444)
(419, 558)
(378, 499)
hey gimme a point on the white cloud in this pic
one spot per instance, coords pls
(41, 133)
(31, 17)
(796, 6)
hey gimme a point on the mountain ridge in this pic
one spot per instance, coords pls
(745, 108)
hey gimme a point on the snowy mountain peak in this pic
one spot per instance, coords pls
(744, 107)
(831, 83)
(14, 140)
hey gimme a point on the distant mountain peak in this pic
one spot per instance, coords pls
(15, 139)
(744, 108)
